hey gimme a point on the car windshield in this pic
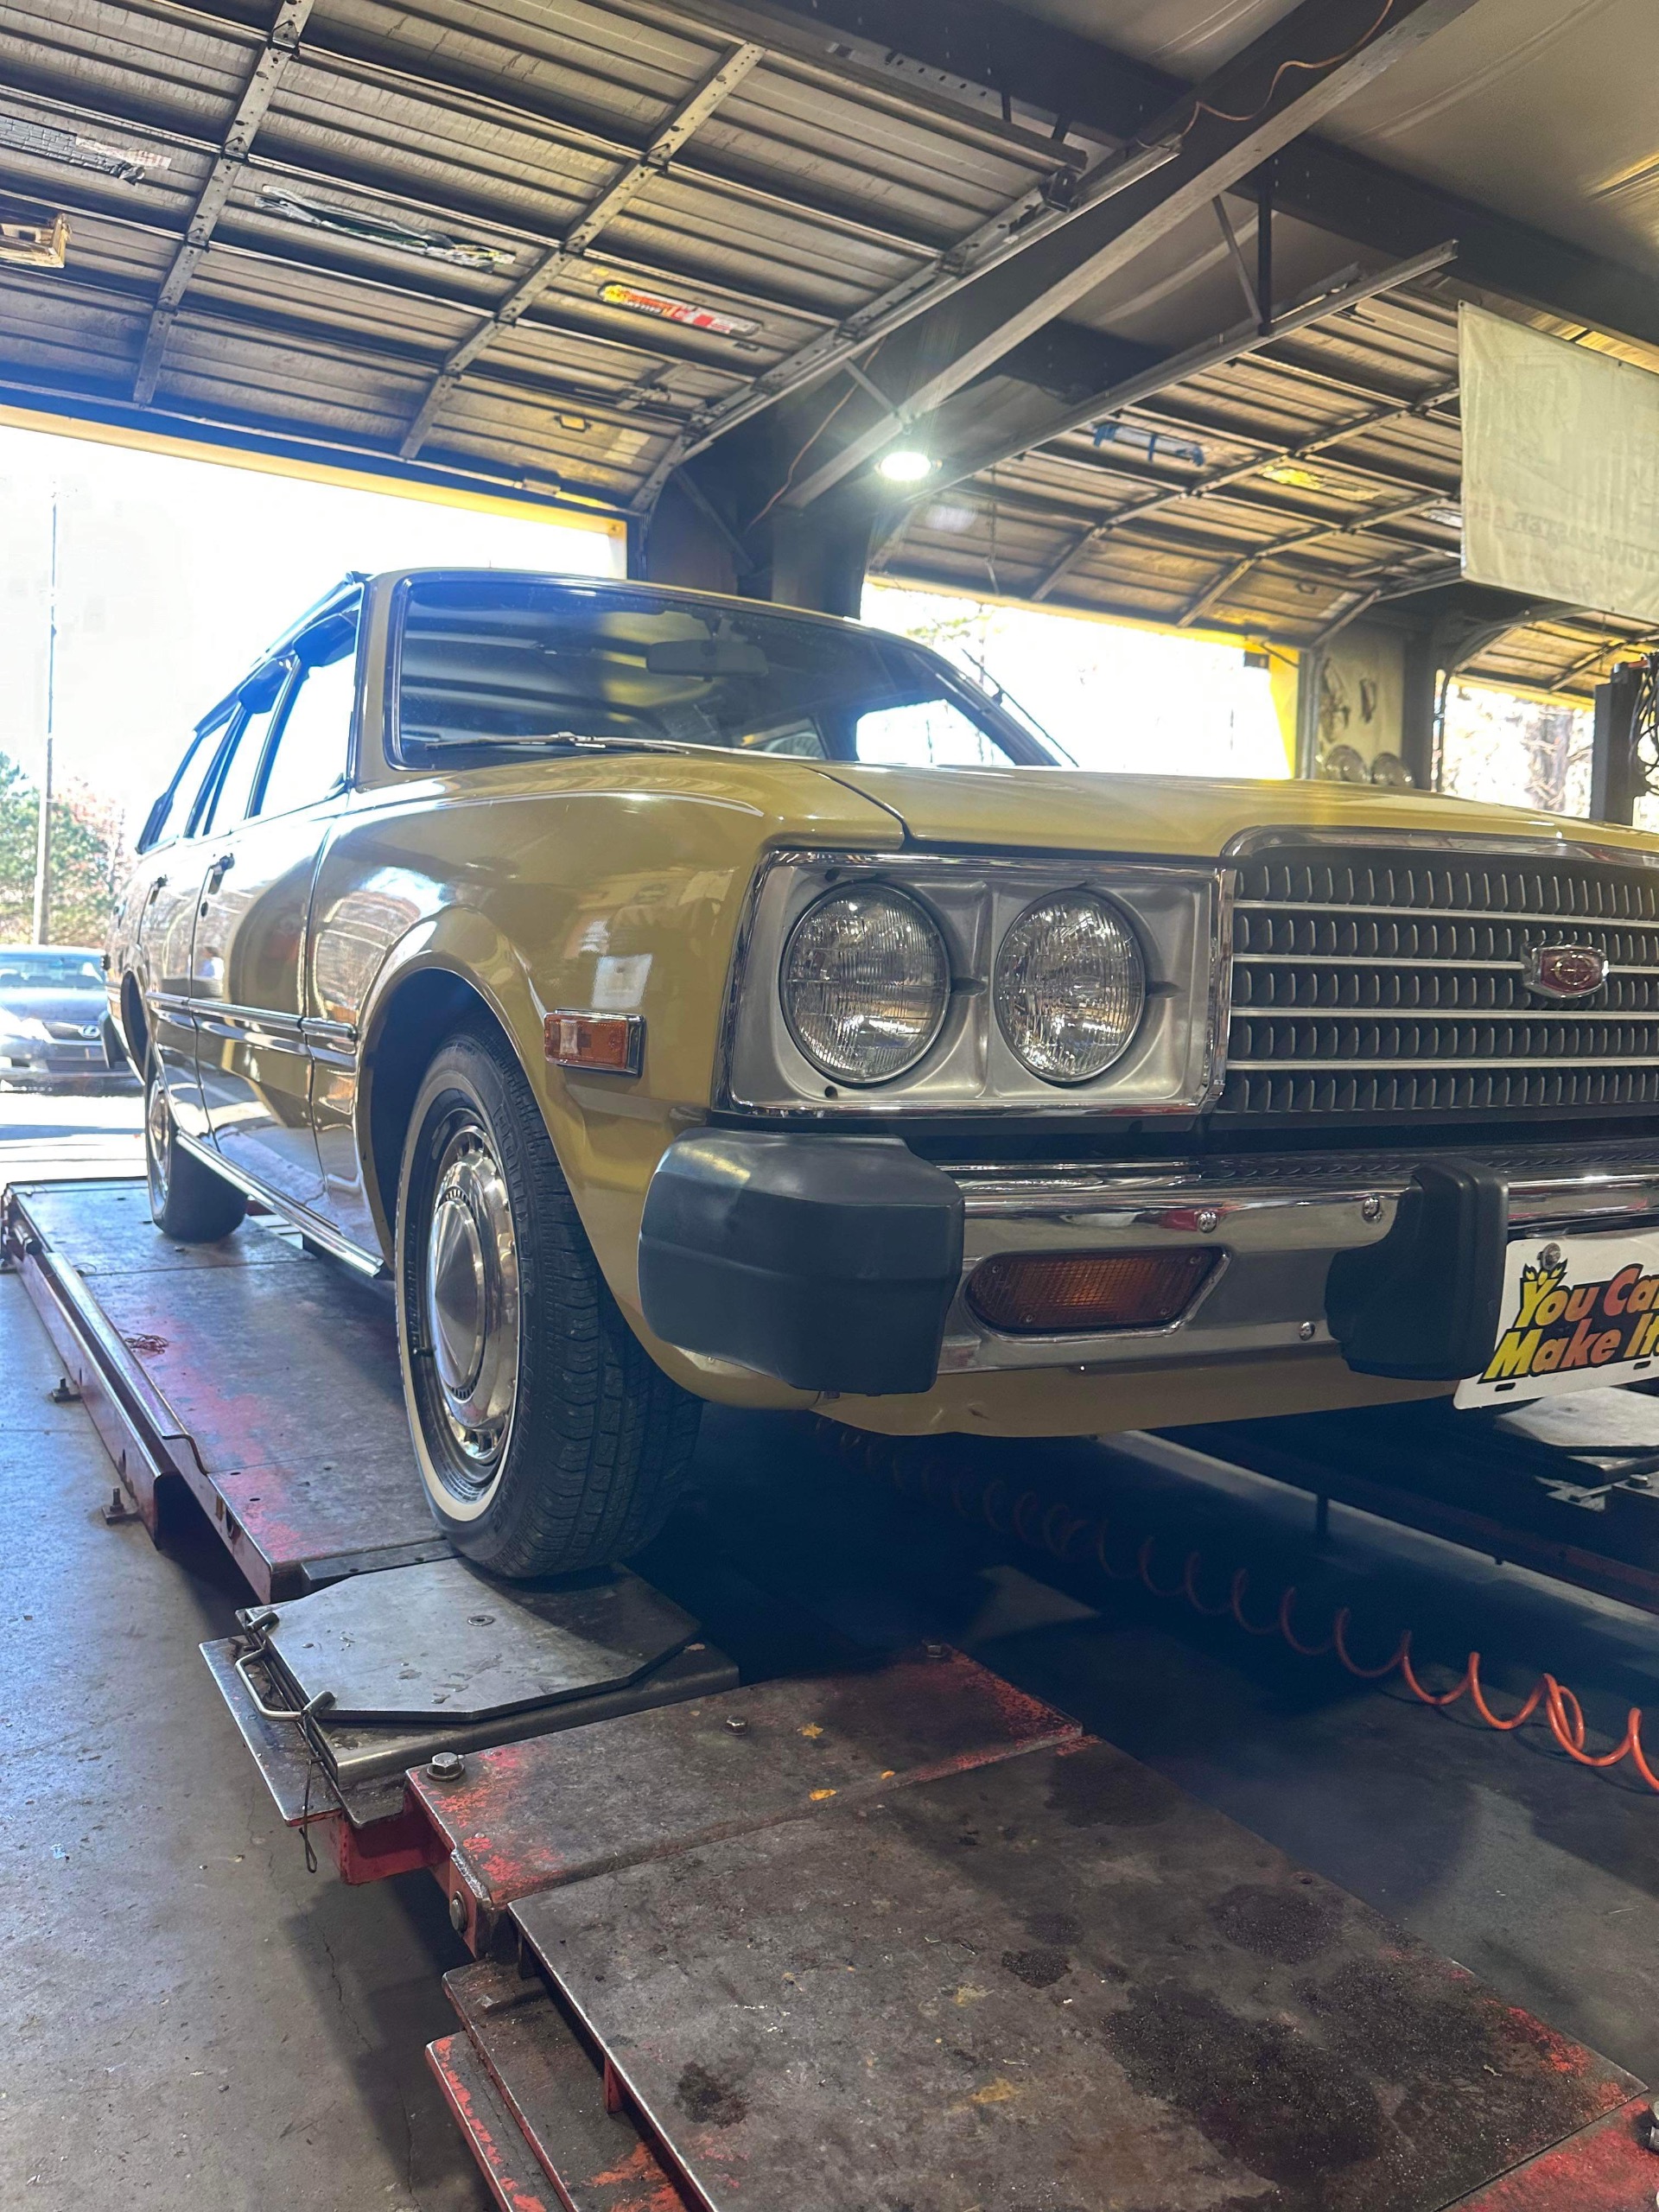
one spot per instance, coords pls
(50, 971)
(491, 662)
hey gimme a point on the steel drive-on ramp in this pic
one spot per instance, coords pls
(896, 1938)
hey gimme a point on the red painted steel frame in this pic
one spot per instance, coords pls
(503, 2157)
(1610, 2167)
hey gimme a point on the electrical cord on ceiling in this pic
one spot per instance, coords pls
(1074, 1538)
(1330, 61)
(800, 456)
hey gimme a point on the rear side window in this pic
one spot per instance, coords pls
(180, 801)
(236, 781)
(314, 745)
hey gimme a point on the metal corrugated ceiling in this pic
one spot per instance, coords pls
(542, 241)
(805, 191)
(1281, 496)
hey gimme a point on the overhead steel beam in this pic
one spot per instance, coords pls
(1092, 88)
(729, 72)
(1235, 254)
(1035, 214)
(1040, 429)
(1390, 212)
(276, 56)
(1286, 81)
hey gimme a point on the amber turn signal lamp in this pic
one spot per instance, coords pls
(1049, 1295)
(614, 1043)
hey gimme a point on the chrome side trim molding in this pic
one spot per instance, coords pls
(277, 1032)
(333, 1043)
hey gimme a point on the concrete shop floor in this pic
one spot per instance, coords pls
(193, 2019)
(190, 2018)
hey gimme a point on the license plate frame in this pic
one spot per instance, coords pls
(1568, 1320)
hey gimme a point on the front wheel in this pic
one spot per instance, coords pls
(188, 1201)
(547, 1439)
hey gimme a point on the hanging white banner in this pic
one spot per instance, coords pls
(1560, 469)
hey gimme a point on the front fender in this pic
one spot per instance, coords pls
(611, 885)
(459, 944)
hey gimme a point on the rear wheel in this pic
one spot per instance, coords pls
(547, 1439)
(188, 1201)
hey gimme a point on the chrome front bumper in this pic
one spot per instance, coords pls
(1277, 1221)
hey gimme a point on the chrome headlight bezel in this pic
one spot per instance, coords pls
(1173, 1065)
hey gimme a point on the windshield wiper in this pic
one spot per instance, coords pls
(584, 742)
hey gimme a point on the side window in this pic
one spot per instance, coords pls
(314, 745)
(926, 733)
(260, 701)
(175, 815)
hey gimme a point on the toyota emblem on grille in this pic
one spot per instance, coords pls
(1565, 971)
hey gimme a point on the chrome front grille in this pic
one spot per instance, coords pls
(1385, 981)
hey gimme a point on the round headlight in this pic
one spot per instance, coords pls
(865, 984)
(1070, 986)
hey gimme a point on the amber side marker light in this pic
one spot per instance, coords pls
(612, 1044)
(1048, 1294)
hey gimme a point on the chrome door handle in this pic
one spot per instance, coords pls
(156, 884)
(219, 869)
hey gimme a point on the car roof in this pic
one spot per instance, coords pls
(731, 601)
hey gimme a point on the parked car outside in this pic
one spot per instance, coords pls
(57, 1030)
(683, 999)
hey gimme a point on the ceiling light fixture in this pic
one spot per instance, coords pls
(904, 465)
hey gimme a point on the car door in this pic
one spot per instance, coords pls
(267, 827)
(166, 890)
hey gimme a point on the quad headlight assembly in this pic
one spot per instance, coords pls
(871, 985)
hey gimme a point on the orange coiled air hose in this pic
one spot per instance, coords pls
(1055, 1527)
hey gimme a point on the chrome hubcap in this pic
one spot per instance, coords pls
(470, 1291)
(157, 1124)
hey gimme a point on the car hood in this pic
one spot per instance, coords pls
(78, 1007)
(1065, 809)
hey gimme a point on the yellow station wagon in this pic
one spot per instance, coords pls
(687, 998)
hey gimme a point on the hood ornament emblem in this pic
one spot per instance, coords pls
(1564, 972)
